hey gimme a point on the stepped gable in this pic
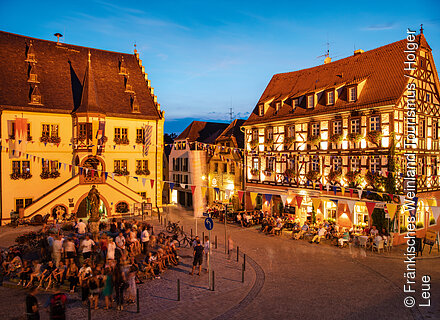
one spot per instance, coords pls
(382, 68)
(61, 73)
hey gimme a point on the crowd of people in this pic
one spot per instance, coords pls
(105, 265)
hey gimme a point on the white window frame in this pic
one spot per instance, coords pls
(330, 98)
(310, 101)
(355, 124)
(337, 163)
(315, 163)
(375, 123)
(352, 94)
(316, 129)
(355, 164)
(375, 164)
(337, 124)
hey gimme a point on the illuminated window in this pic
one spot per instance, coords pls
(22, 203)
(337, 163)
(254, 134)
(255, 164)
(315, 129)
(291, 131)
(355, 125)
(355, 164)
(49, 130)
(232, 168)
(295, 103)
(277, 106)
(120, 165)
(375, 164)
(261, 110)
(315, 163)
(337, 127)
(422, 128)
(352, 94)
(270, 164)
(269, 133)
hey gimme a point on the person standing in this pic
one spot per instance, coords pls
(32, 312)
(57, 250)
(145, 238)
(86, 245)
(81, 227)
(198, 257)
(57, 306)
(111, 247)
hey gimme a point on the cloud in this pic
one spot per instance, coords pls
(380, 27)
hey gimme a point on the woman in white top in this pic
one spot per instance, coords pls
(111, 247)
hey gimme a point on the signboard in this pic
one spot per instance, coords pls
(431, 237)
(209, 224)
(147, 209)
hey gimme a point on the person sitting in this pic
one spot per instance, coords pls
(47, 273)
(304, 229)
(374, 232)
(24, 273)
(36, 273)
(345, 238)
(239, 220)
(319, 235)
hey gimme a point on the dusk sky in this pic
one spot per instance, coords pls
(203, 57)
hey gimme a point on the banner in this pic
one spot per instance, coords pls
(148, 131)
(350, 204)
(299, 200)
(240, 195)
(193, 189)
(370, 207)
(268, 197)
(316, 202)
(253, 197)
(392, 208)
(435, 212)
(95, 129)
(284, 199)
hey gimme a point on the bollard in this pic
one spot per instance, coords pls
(244, 261)
(242, 273)
(191, 233)
(238, 252)
(137, 300)
(213, 281)
(89, 311)
(178, 289)
(203, 237)
(216, 241)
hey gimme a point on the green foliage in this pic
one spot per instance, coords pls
(355, 137)
(354, 178)
(313, 175)
(419, 225)
(314, 140)
(336, 138)
(335, 176)
(374, 137)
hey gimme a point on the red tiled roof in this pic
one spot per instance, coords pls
(61, 71)
(383, 69)
(233, 131)
(202, 131)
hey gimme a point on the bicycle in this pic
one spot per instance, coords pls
(173, 227)
(185, 241)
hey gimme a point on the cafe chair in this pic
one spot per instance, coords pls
(390, 243)
(379, 246)
(363, 242)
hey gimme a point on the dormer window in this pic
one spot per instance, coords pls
(330, 98)
(36, 96)
(295, 103)
(33, 74)
(352, 94)
(30, 55)
(261, 110)
(128, 86)
(310, 101)
(122, 68)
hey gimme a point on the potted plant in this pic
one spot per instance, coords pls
(403, 229)
(45, 139)
(120, 172)
(254, 171)
(139, 140)
(375, 180)
(26, 175)
(431, 221)
(45, 175)
(290, 173)
(55, 140)
(374, 137)
(15, 175)
(269, 144)
(141, 172)
(335, 176)
(29, 138)
(55, 174)
(313, 175)
(254, 144)
(336, 138)
(288, 141)
(419, 225)
(355, 137)
(314, 140)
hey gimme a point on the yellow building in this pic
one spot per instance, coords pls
(333, 126)
(73, 117)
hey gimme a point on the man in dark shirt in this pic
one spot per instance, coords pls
(57, 306)
(198, 257)
(32, 312)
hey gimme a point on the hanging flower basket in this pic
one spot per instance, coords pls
(374, 137)
(26, 175)
(375, 180)
(336, 138)
(254, 172)
(104, 139)
(288, 141)
(15, 176)
(354, 178)
(313, 175)
(335, 176)
(119, 172)
(139, 140)
(355, 137)
(290, 173)
(121, 140)
(314, 140)
(55, 140)
(254, 144)
(141, 172)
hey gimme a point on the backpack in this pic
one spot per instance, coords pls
(56, 305)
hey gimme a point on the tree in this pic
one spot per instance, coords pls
(168, 138)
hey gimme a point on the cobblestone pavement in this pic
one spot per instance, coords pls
(158, 298)
(285, 279)
(310, 281)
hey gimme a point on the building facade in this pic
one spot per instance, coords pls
(339, 127)
(72, 118)
(188, 164)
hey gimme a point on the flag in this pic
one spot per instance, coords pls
(171, 186)
(95, 128)
(240, 195)
(299, 200)
(351, 204)
(284, 199)
(217, 190)
(360, 193)
(193, 189)
(268, 197)
(148, 131)
(204, 191)
(435, 212)
(392, 208)
(253, 198)
(342, 190)
(334, 189)
(143, 181)
(152, 183)
(335, 201)
(370, 207)
(316, 202)
(100, 134)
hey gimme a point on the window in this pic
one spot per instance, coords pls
(337, 127)
(121, 133)
(22, 203)
(255, 164)
(261, 110)
(277, 106)
(120, 165)
(225, 168)
(215, 167)
(142, 166)
(270, 164)
(255, 134)
(352, 94)
(337, 163)
(375, 164)
(185, 179)
(310, 101)
(295, 103)
(355, 125)
(232, 168)
(21, 167)
(428, 97)
(185, 164)
(315, 163)
(291, 164)
(49, 166)
(139, 135)
(291, 131)
(330, 97)
(85, 131)
(49, 130)
(315, 129)
(375, 123)
(269, 133)
(422, 128)
(435, 130)
(355, 164)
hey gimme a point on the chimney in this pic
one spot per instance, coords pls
(358, 51)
